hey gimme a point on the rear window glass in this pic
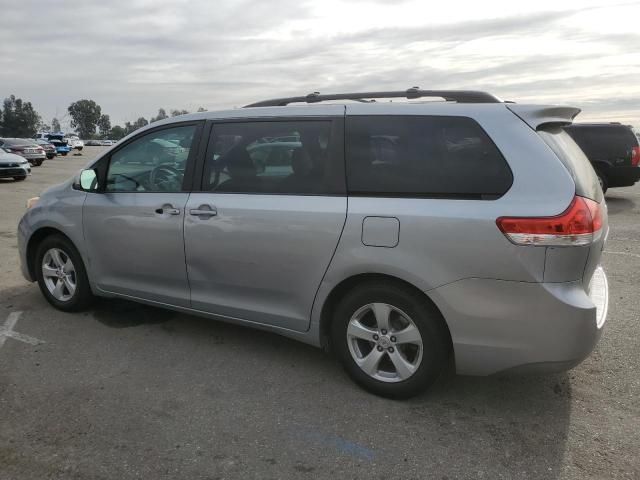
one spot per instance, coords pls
(423, 156)
(574, 160)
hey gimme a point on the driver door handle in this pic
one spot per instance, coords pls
(168, 209)
(203, 211)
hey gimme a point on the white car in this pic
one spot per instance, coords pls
(75, 142)
(12, 165)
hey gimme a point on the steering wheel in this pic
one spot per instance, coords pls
(163, 174)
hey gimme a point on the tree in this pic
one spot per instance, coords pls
(132, 127)
(175, 113)
(104, 125)
(19, 119)
(55, 125)
(162, 114)
(85, 115)
(117, 132)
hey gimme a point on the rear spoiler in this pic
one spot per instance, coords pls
(537, 115)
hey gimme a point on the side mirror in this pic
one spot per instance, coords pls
(89, 180)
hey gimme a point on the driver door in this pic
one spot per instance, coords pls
(133, 226)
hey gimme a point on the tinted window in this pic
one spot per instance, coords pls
(423, 156)
(574, 160)
(270, 157)
(604, 142)
(154, 162)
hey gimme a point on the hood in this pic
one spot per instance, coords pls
(10, 158)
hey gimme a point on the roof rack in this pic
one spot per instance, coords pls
(460, 96)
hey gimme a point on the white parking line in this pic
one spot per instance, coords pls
(623, 253)
(6, 331)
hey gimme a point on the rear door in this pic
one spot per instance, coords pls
(260, 234)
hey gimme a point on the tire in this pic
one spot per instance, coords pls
(19, 179)
(64, 154)
(68, 301)
(604, 182)
(50, 156)
(407, 309)
(37, 162)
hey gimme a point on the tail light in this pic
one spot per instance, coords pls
(577, 225)
(635, 156)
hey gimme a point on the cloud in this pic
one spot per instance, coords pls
(135, 56)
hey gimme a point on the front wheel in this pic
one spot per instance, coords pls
(61, 275)
(37, 162)
(64, 154)
(390, 340)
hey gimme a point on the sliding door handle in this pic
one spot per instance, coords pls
(203, 211)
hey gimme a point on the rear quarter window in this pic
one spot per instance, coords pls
(423, 156)
(574, 160)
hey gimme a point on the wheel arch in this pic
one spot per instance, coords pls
(345, 286)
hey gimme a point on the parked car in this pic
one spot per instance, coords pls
(93, 143)
(25, 147)
(13, 166)
(49, 148)
(60, 142)
(74, 142)
(107, 143)
(401, 234)
(613, 150)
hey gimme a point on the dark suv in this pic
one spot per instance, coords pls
(612, 149)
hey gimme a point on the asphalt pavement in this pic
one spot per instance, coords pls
(132, 392)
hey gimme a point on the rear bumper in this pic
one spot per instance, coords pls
(623, 176)
(501, 325)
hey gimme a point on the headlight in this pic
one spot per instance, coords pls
(32, 202)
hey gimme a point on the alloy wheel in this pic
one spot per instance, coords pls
(384, 342)
(59, 274)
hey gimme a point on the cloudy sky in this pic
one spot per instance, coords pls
(134, 56)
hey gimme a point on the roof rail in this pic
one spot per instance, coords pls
(460, 96)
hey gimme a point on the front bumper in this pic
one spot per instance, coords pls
(24, 233)
(521, 326)
(15, 171)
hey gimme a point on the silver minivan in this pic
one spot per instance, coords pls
(400, 234)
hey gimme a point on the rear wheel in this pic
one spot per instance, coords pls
(602, 180)
(61, 275)
(390, 340)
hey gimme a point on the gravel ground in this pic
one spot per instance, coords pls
(127, 391)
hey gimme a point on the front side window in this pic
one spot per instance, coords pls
(154, 162)
(279, 157)
(423, 156)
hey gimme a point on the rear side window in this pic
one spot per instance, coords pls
(604, 142)
(274, 157)
(574, 160)
(423, 156)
